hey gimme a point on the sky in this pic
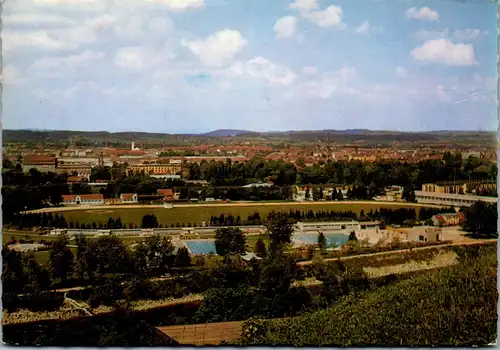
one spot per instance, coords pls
(192, 66)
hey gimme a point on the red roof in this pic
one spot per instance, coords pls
(41, 160)
(127, 196)
(167, 192)
(439, 218)
(72, 197)
(76, 179)
(68, 197)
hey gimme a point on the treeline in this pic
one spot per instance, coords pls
(375, 175)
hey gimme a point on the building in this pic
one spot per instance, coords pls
(129, 197)
(328, 226)
(459, 187)
(447, 199)
(83, 199)
(425, 234)
(167, 193)
(43, 164)
(448, 219)
(76, 179)
(155, 169)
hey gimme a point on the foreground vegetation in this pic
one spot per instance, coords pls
(453, 306)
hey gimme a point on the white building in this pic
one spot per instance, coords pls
(448, 199)
(83, 199)
(328, 226)
(128, 197)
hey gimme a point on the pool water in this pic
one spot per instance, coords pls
(205, 246)
(332, 239)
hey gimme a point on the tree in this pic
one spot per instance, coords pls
(352, 236)
(321, 242)
(61, 260)
(12, 271)
(182, 258)
(229, 241)
(277, 276)
(321, 192)
(481, 219)
(154, 255)
(37, 278)
(308, 193)
(280, 230)
(316, 194)
(409, 194)
(260, 248)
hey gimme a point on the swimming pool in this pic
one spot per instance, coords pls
(205, 246)
(332, 239)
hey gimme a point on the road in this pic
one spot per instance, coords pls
(230, 204)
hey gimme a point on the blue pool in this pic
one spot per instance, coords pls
(205, 246)
(332, 239)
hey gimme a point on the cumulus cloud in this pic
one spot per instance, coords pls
(10, 76)
(330, 83)
(309, 70)
(180, 5)
(143, 27)
(38, 19)
(401, 72)
(261, 67)
(138, 58)
(285, 27)
(423, 13)
(304, 5)
(38, 39)
(467, 34)
(70, 61)
(444, 51)
(363, 28)
(331, 17)
(218, 49)
(458, 34)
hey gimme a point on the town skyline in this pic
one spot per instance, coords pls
(201, 65)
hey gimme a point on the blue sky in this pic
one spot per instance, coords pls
(198, 65)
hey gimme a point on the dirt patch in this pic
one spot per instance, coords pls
(100, 211)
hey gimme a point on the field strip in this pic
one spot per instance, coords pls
(233, 204)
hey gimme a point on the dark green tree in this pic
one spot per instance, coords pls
(182, 258)
(260, 248)
(61, 260)
(229, 241)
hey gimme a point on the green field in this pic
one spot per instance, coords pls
(196, 214)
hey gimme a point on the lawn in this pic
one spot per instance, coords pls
(198, 214)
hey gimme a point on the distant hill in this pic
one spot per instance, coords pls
(225, 133)
(373, 137)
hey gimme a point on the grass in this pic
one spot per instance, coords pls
(192, 215)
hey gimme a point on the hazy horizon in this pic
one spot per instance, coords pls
(195, 66)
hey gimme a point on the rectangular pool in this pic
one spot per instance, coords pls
(201, 246)
(332, 239)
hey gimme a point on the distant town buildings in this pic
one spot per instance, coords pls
(83, 199)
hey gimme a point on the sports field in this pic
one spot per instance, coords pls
(196, 214)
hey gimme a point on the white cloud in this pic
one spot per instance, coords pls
(285, 27)
(363, 28)
(331, 17)
(68, 61)
(330, 83)
(310, 70)
(424, 34)
(36, 19)
(261, 67)
(138, 58)
(401, 72)
(459, 34)
(467, 34)
(38, 39)
(10, 76)
(80, 5)
(442, 93)
(180, 5)
(55, 95)
(444, 51)
(143, 27)
(304, 5)
(423, 13)
(218, 49)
